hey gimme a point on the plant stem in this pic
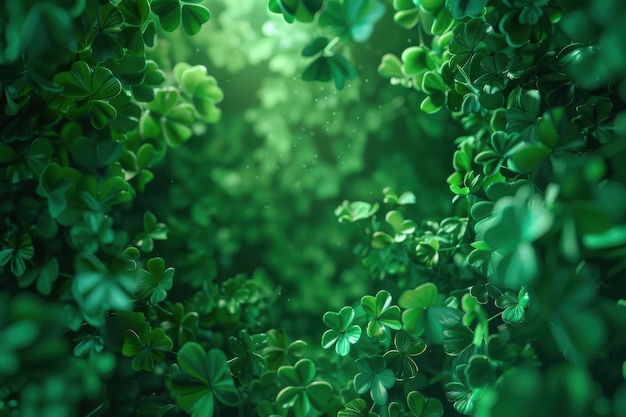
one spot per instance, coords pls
(328, 50)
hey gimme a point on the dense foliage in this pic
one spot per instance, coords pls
(181, 189)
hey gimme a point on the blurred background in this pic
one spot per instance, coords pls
(256, 193)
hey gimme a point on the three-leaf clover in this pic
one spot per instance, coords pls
(354, 19)
(152, 230)
(342, 332)
(279, 351)
(419, 406)
(514, 306)
(167, 118)
(355, 210)
(248, 362)
(423, 315)
(146, 346)
(19, 251)
(203, 379)
(384, 315)
(301, 392)
(400, 359)
(155, 281)
(374, 377)
(461, 392)
(93, 231)
(87, 89)
(356, 408)
(174, 12)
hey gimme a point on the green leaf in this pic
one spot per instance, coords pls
(155, 281)
(97, 290)
(248, 361)
(135, 12)
(353, 18)
(193, 16)
(373, 377)
(462, 8)
(401, 359)
(342, 333)
(302, 393)
(279, 352)
(318, 70)
(146, 347)
(168, 12)
(203, 378)
(384, 315)
(316, 46)
(101, 114)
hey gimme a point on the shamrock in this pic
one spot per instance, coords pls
(514, 306)
(301, 392)
(374, 377)
(19, 251)
(356, 408)
(279, 351)
(203, 379)
(146, 346)
(384, 315)
(423, 315)
(155, 281)
(342, 332)
(247, 361)
(400, 359)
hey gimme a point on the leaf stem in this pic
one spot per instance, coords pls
(328, 50)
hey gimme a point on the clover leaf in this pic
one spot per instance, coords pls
(136, 12)
(516, 221)
(97, 289)
(302, 11)
(342, 332)
(174, 12)
(267, 408)
(401, 227)
(407, 13)
(462, 8)
(201, 89)
(19, 251)
(167, 118)
(400, 360)
(203, 379)
(301, 392)
(155, 281)
(384, 315)
(352, 18)
(248, 362)
(461, 392)
(514, 306)
(374, 377)
(152, 230)
(279, 351)
(180, 324)
(355, 210)
(45, 276)
(522, 115)
(92, 232)
(468, 40)
(146, 347)
(88, 89)
(89, 344)
(356, 408)
(106, 41)
(422, 406)
(423, 315)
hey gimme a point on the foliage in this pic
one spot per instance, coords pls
(168, 245)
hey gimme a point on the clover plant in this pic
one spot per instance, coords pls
(169, 176)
